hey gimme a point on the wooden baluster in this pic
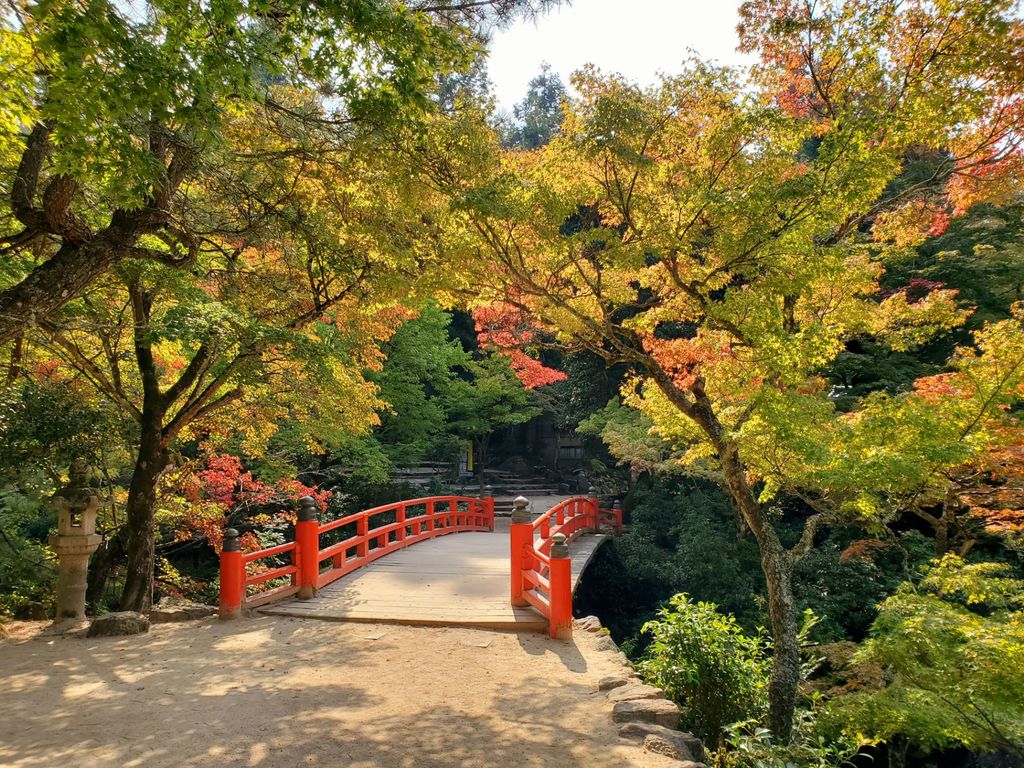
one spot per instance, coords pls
(400, 518)
(594, 511)
(430, 515)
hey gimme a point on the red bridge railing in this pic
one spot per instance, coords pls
(360, 538)
(541, 566)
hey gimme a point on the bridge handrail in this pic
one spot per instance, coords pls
(460, 513)
(541, 567)
(441, 515)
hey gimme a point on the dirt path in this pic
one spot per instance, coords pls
(271, 692)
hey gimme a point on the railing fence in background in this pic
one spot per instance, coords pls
(361, 538)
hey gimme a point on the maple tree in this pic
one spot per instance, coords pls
(725, 236)
(506, 329)
(112, 114)
(279, 321)
(223, 494)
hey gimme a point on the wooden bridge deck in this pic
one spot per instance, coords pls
(457, 580)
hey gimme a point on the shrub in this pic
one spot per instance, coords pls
(953, 648)
(703, 661)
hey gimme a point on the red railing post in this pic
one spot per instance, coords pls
(560, 622)
(232, 576)
(521, 539)
(594, 505)
(400, 519)
(430, 515)
(307, 546)
(489, 507)
(362, 531)
(617, 511)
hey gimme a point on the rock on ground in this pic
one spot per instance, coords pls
(636, 691)
(657, 711)
(167, 611)
(119, 623)
(686, 745)
(612, 681)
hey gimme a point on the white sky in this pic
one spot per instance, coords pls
(637, 38)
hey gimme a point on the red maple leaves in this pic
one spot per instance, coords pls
(223, 492)
(508, 330)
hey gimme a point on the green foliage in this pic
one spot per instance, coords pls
(749, 745)
(416, 382)
(27, 574)
(702, 660)
(45, 425)
(490, 397)
(681, 538)
(954, 648)
(109, 69)
(980, 255)
(844, 590)
(631, 438)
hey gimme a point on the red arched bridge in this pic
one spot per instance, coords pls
(516, 572)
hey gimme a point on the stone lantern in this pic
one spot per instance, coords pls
(75, 540)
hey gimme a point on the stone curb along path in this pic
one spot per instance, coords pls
(642, 711)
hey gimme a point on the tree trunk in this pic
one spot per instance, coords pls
(17, 356)
(776, 562)
(481, 445)
(140, 509)
(897, 748)
(107, 557)
(778, 573)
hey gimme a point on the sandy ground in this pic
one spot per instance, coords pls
(272, 691)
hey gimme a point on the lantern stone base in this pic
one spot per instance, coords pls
(72, 572)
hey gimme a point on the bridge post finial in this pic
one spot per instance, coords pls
(559, 547)
(520, 510)
(307, 509)
(560, 578)
(232, 576)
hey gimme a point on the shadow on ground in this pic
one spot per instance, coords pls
(274, 692)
